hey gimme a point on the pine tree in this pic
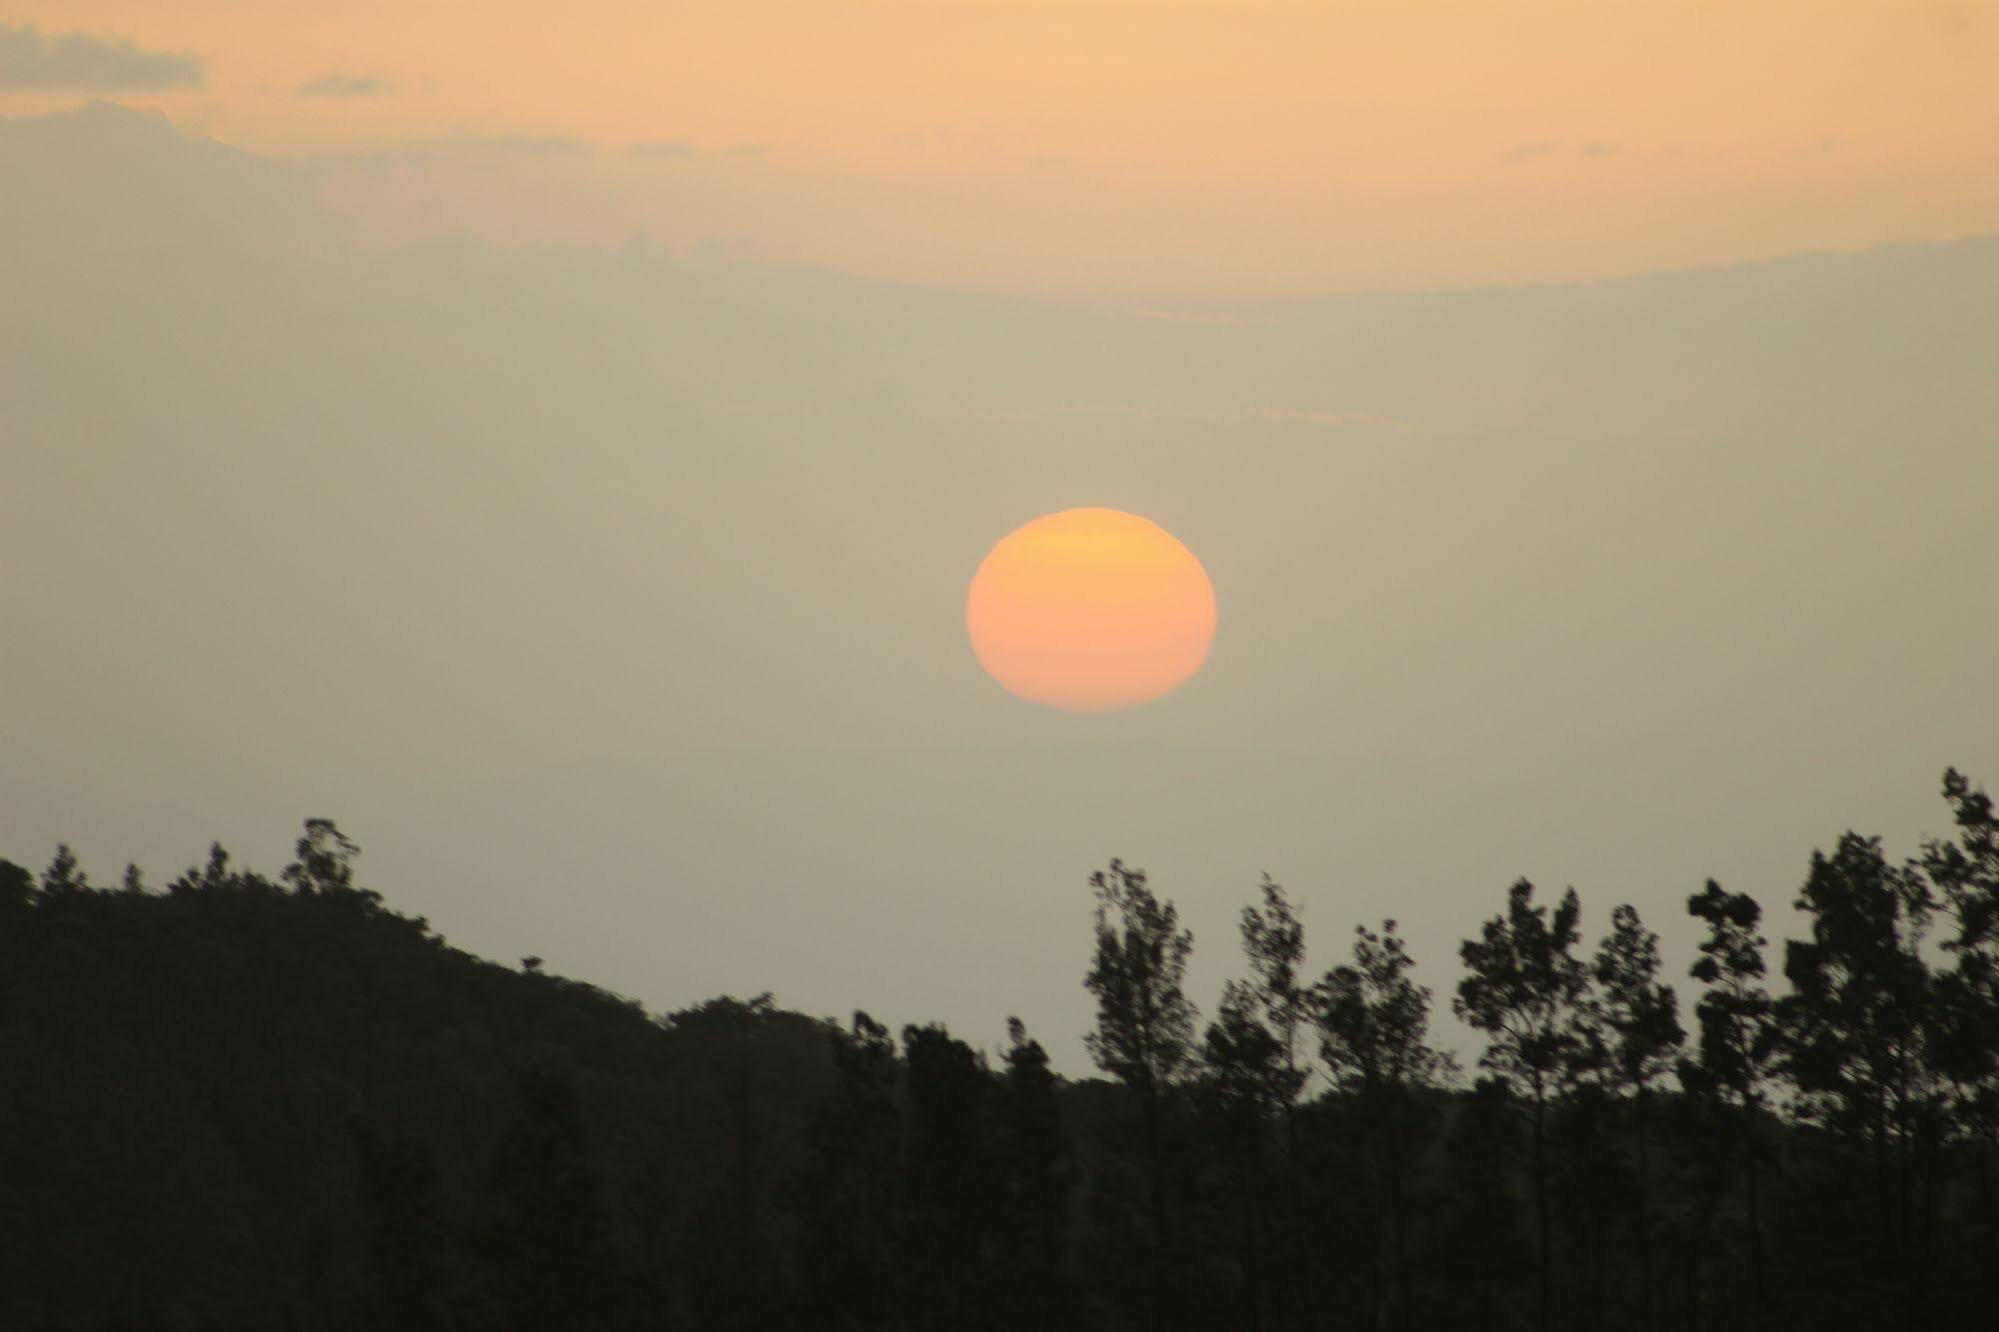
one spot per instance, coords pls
(1966, 873)
(1373, 1022)
(846, 1192)
(1257, 1078)
(1144, 1034)
(1036, 1173)
(17, 887)
(1242, 1093)
(1860, 1049)
(1273, 940)
(1639, 1017)
(64, 878)
(1739, 1046)
(949, 1190)
(1527, 990)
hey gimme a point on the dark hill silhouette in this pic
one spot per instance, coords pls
(253, 1103)
(216, 1098)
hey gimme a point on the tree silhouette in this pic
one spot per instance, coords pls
(1525, 989)
(257, 1102)
(325, 863)
(1965, 1018)
(17, 887)
(398, 1179)
(1739, 1043)
(64, 879)
(1273, 940)
(549, 1250)
(1858, 1026)
(846, 1191)
(1639, 1017)
(1246, 1087)
(1144, 1034)
(950, 1191)
(1373, 1022)
(1480, 1246)
(1036, 1172)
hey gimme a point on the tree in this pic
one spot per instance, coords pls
(1144, 1036)
(550, 1249)
(1373, 1022)
(846, 1189)
(1246, 1084)
(1273, 939)
(1255, 1079)
(1858, 1025)
(1526, 990)
(948, 1190)
(64, 878)
(1640, 1019)
(1739, 1041)
(1966, 1008)
(1035, 1174)
(17, 887)
(397, 1177)
(1480, 1242)
(325, 863)
(1966, 872)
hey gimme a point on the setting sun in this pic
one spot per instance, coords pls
(1091, 610)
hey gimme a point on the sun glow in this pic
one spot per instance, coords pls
(1090, 610)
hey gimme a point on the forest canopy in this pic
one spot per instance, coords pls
(244, 1101)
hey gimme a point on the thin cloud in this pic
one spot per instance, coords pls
(345, 85)
(103, 64)
(1527, 152)
(672, 149)
(664, 148)
(479, 151)
(522, 145)
(1544, 148)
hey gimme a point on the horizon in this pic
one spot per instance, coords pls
(1291, 661)
(640, 568)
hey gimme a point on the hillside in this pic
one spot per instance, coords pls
(239, 1104)
(252, 1103)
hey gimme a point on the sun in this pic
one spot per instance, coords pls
(1090, 610)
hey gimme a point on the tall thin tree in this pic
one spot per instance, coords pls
(1373, 1021)
(1639, 1017)
(1144, 1034)
(1740, 1042)
(1526, 989)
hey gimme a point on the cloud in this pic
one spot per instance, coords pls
(685, 148)
(521, 145)
(72, 60)
(1529, 152)
(345, 85)
(663, 148)
(478, 151)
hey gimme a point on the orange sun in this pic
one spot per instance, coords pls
(1091, 610)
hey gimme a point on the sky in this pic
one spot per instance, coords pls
(588, 531)
(1193, 148)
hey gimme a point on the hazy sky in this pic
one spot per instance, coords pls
(1162, 146)
(611, 594)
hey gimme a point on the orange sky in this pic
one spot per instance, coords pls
(1204, 147)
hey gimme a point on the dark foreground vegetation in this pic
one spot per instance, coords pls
(244, 1103)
